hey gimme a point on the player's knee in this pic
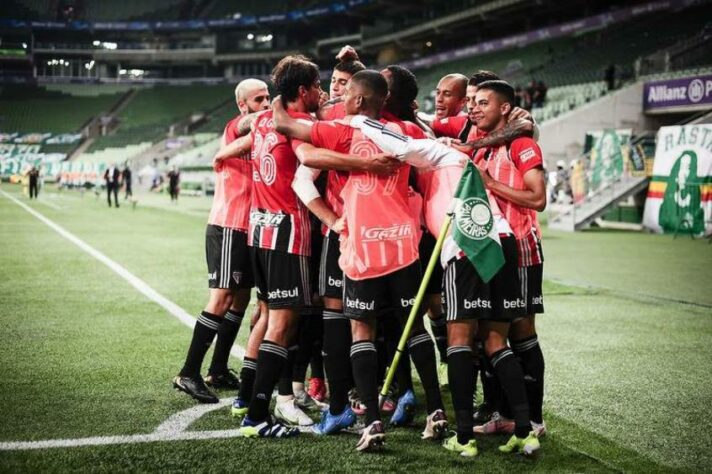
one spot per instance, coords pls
(522, 328)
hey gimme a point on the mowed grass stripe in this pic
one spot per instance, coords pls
(582, 331)
(84, 353)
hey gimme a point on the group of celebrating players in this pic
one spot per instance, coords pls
(330, 206)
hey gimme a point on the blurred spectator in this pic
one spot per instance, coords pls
(174, 183)
(112, 176)
(610, 77)
(539, 94)
(126, 178)
(34, 177)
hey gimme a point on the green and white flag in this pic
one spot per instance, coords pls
(474, 230)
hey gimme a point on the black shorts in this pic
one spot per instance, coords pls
(228, 258)
(426, 247)
(531, 279)
(282, 278)
(466, 296)
(331, 277)
(393, 292)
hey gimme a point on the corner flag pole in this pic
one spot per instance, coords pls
(414, 310)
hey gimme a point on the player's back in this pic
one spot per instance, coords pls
(233, 187)
(278, 219)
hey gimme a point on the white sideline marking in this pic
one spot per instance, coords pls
(50, 204)
(135, 281)
(172, 429)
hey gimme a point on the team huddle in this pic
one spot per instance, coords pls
(330, 206)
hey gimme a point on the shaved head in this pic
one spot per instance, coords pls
(252, 95)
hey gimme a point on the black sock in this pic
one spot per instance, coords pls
(462, 388)
(532, 359)
(422, 350)
(491, 389)
(364, 362)
(439, 329)
(337, 341)
(203, 333)
(403, 379)
(227, 332)
(317, 330)
(510, 375)
(270, 361)
(284, 386)
(247, 378)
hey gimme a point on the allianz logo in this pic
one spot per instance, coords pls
(274, 294)
(358, 304)
(335, 282)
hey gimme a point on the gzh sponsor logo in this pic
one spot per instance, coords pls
(266, 218)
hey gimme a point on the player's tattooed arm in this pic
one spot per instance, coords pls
(245, 125)
(232, 150)
(324, 159)
(513, 129)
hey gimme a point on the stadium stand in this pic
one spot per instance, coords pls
(148, 116)
(37, 109)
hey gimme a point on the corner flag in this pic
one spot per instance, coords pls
(474, 229)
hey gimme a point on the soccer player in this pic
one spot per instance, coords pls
(348, 65)
(229, 268)
(379, 255)
(402, 92)
(469, 302)
(279, 234)
(514, 174)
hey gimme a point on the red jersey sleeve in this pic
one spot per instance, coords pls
(331, 135)
(231, 129)
(449, 126)
(414, 131)
(526, 154)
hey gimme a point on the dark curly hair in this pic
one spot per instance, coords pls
(403, 88)
(292, 72)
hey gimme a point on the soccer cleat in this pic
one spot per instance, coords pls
(482, 414)
(435, 425)
(227, 380)
(539, 429)
(330, 424)
(239, 408)
(289, 413)
(389, 406)
(526, 446)
(304, 401)
(266, 429)
(468, 450)
(497, 425)
(195, 387)
(405, 410)
(317, 389)
(373, 437)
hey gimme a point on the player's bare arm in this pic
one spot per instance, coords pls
(322, 158)
(233, 150)
(288, 126)
(533, 197)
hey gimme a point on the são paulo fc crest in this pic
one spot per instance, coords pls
(473, 218)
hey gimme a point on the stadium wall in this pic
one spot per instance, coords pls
(562, 138)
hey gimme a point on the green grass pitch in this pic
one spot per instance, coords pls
(627, 338)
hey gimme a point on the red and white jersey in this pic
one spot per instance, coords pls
(381, 234)
(508, 165)
(278, 219)
(458, 126)
(334, 112)
(233, 187)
